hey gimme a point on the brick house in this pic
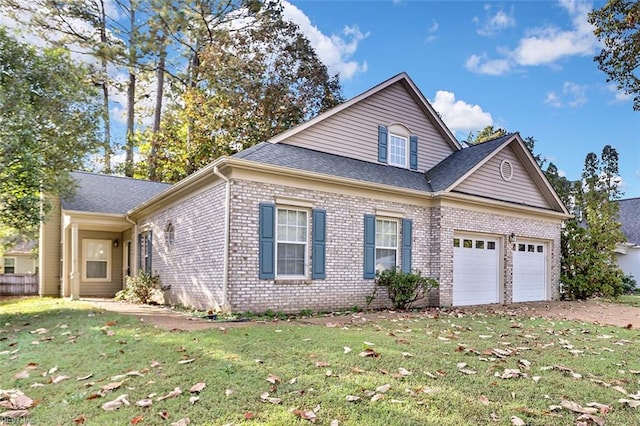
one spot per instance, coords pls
(304, 220)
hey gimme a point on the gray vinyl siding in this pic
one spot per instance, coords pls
(487, 182)
(353, 132)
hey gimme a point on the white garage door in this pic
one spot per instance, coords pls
(529, 271)
(475, 270)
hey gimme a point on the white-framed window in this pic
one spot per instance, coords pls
(169, 235)
(398, 150)
(96, 258)
(292, 242)
(9, 265)
(386, 244)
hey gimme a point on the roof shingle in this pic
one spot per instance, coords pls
(630, 219)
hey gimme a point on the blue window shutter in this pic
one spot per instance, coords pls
(140, 266)
(382, 144)
(369, 246)
(413, 152)
(267, 241)
(148, 264)
(407, 225)
(318, 251)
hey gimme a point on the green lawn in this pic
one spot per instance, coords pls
(420, 370)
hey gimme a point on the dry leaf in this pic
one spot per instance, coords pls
(171, 394)
(194, 399)
(376, 397)
(630, 403)
(186, 361)
(322, 364)
(577, 408)
(24, 374)
(52, 370)
(334, 422)
(265, 397)
(80, 419)
(484, 400)
(137, 420)
(228, 392)
(293, 381)
(404, 371)
(164, 414)
(15, 414)
(273, 379)
(383, 388)
(588, 419)
(249, 415)
(198, 387)
(182, 422)
(347, 349)
(112, 386)
(517, 421)
(357, 370)
(369, 353)
(309, 415)
(81, 378)
(147, 402)
(116, 403)
(352, 398)
(58, 379)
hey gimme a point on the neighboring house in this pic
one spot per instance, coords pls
(19, 259)
(628, 254)
(304, 220)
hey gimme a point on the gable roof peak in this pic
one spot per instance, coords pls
(402, 78)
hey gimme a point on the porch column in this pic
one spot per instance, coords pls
(75, 272)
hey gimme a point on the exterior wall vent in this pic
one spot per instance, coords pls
(506, 170)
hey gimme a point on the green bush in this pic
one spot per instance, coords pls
(629, 284)
(143, 288)
(403, 288)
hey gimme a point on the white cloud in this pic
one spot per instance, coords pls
(540, 46)
(460, 116)
(431, 32)
(493, 23)
(618, 95)
(483, 65)
(573, 95)
(334, 51)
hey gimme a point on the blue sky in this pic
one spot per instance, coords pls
(524, 66)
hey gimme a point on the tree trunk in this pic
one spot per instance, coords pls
(131, 93)
(157, 114)
(106, 160)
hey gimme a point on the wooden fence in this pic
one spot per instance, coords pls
(18, 284)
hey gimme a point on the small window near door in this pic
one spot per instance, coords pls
(522, 247)
(96, 260)
(467, 243)
(456, 242)
(531, 248)
(491, 245)
(169, 235)
(9, 265)
(540, 249)
(480, 244)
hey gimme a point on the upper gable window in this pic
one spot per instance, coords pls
(398, 150)
(397, 146)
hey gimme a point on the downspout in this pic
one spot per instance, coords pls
(134, 245)
(227, 220)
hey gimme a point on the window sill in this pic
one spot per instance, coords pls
(292, 281)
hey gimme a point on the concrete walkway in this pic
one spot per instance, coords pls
(159, 316)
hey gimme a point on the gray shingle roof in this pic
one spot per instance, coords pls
(452, 168)
(630, 219)
(98, 193)
(294, 157)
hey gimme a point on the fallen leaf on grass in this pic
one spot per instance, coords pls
(58, 379)
(483, 399)
(352, 398)
(577, 408)
(309, 415)
(182, 422)
(171, 394)
(357, 370)
(517, 421)
(403, 372)
(80, 419)
(347, 349)
(509, 373)
(588, 420)
(164, 414)
(383, 388)
(629, 402)
(39, 331)
(321, 364)
(604, 409)
(137, 419)
(228, 392)
(249, 415)
(194, 399)
(112, 386)
(273, 379)
(376, 397)
(265, 397)
(14, 414)
(369, 353)
(147, 402)
(198, 387)
(116, 403)
(24, 374)
(81, 378)
(186, 361)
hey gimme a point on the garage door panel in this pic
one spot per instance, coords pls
(475, 270)
(529, 272)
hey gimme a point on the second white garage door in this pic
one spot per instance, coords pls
(475, 270)
(529, 271)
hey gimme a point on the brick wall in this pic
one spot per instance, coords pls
(344, 286)
(193, 265)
